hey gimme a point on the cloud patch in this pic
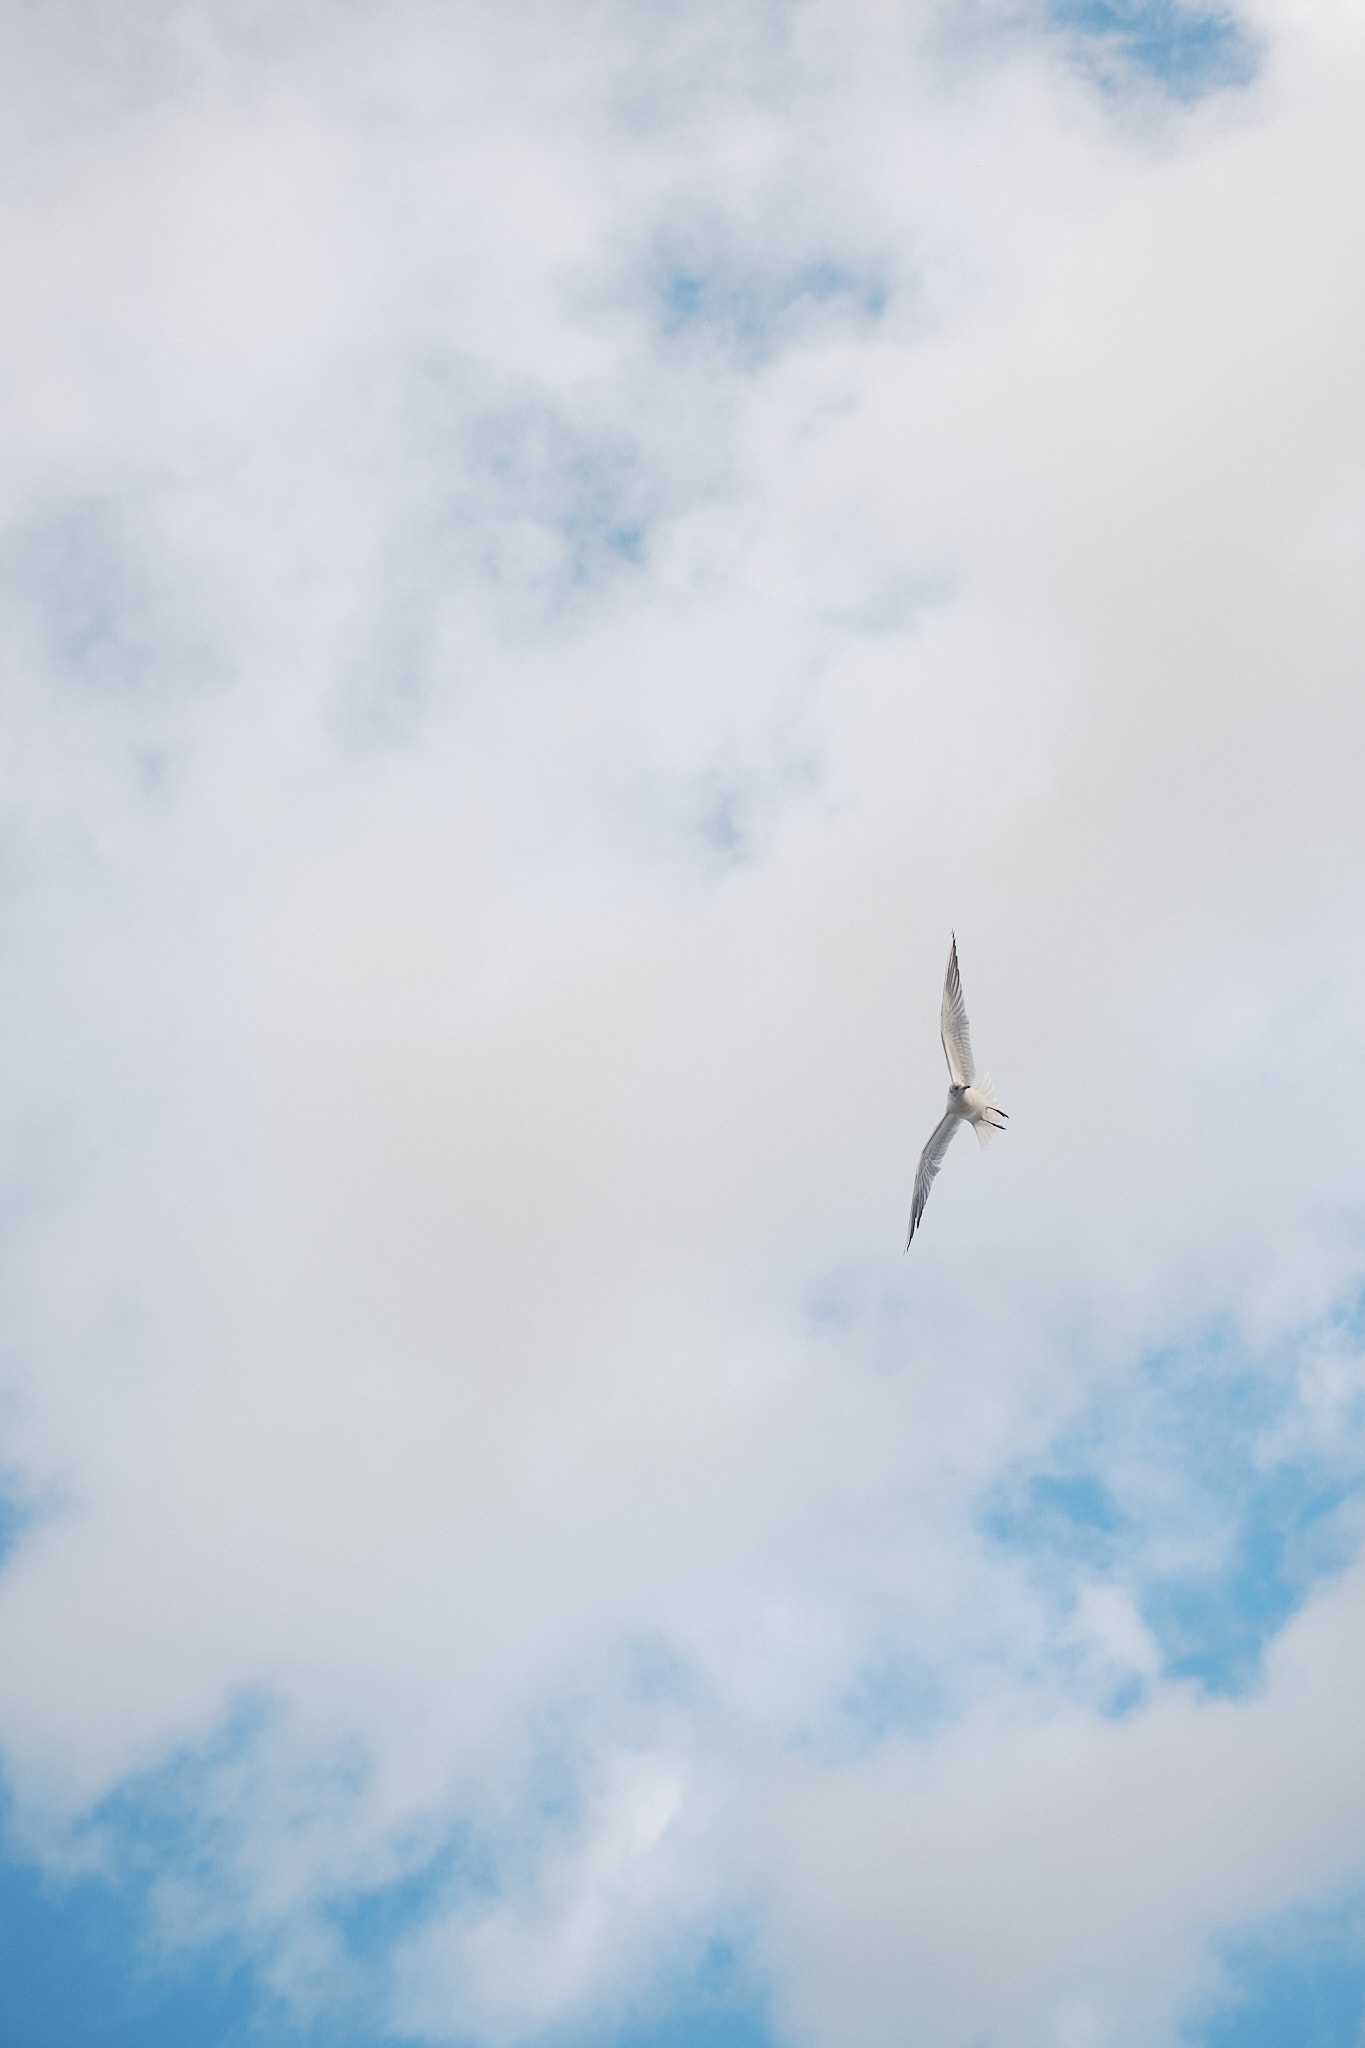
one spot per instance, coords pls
(548, 561)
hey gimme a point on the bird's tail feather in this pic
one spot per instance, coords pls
(985, 1131)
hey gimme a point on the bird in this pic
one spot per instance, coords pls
(970, 1100)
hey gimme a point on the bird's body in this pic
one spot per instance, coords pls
(971, 1098)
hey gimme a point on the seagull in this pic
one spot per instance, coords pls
(970, 1101)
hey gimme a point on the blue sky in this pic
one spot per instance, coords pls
(547, 559)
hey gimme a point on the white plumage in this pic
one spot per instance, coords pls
(971, 1099)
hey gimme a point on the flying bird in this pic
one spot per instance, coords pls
(970, 1101)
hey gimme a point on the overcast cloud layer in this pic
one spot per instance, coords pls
(549, 556)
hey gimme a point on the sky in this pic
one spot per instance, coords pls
(549, 556)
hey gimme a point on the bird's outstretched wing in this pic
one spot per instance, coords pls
(957, 1039)
(930, 1160)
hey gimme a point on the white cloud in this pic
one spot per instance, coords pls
(495, 751)
(1062, 1881)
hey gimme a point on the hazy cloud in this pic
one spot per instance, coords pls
(548, 558)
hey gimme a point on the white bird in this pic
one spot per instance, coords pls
(970, 1101)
